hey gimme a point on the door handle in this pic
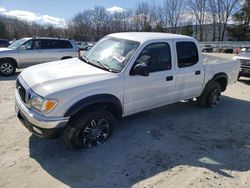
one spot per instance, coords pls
(169, 78)
(197, 72)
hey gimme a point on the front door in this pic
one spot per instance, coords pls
(30, 53)
(156, 89)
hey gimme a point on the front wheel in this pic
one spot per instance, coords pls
(7, 68)
(210, 96)
(89, 129)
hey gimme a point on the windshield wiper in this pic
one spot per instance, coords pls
(106, 67)
(84, 58)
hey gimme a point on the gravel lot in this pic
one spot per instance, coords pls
(179, 145)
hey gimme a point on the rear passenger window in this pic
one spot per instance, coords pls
(56, 44)
(157, 56)
(65, 44)
(187, 54)
(46, 44)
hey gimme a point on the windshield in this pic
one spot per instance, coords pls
(112, 53)
(17, 43)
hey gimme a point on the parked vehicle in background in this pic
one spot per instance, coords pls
(207, 48)
(4, 43)
(245, 49)
(226, 49)
(31, 51)
(122, 74)
(90, 45)
(244, 58)
(82, 45)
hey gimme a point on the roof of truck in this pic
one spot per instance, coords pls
(146, 36)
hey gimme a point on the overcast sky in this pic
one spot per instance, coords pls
(57, 12)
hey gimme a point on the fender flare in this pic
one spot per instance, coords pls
(217, 77)
(109, 99)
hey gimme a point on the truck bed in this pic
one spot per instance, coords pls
(220, 63)
(212, 58)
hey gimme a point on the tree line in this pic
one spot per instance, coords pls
(203, 19)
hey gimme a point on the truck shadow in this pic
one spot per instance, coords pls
(156, 141)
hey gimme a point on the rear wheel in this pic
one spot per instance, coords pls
(7, 68)
(89, 129)
(210, 96)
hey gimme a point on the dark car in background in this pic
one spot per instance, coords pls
(226, 49)
(207, 48)
(4, 43)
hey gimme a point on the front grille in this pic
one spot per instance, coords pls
(245, 62)
(21, 90)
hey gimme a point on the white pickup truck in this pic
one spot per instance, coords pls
(123, 74)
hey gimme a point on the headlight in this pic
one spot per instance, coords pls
(42, 104)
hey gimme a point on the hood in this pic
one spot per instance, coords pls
(55, 76)
(5, 49)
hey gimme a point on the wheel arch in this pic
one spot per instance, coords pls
(222, 79)
(107, 101)
(66, 57)
(10, 59)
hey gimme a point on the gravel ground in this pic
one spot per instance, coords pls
(179, 145)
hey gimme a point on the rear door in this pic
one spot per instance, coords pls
(30, 53)
(55, 49)
(190, 70)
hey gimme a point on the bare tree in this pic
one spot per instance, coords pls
(229, 7)
(92, 24)
(127, 20)
(173, 10)
(221, 11)
(99, 19)
(142, 17)
(214, 11)
(198, 8)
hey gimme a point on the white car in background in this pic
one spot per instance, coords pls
(82, 45)
(32, 51)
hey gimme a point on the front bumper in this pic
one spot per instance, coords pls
(245, 71)
(46, 127)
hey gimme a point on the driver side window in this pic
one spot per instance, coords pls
(33, 45)
(28, 45)
(156, 56)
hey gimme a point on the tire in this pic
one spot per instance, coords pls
(210, 96)
(7, 68)
(238, 77)
(83, 130)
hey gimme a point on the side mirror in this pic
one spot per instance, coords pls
(141, 69)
